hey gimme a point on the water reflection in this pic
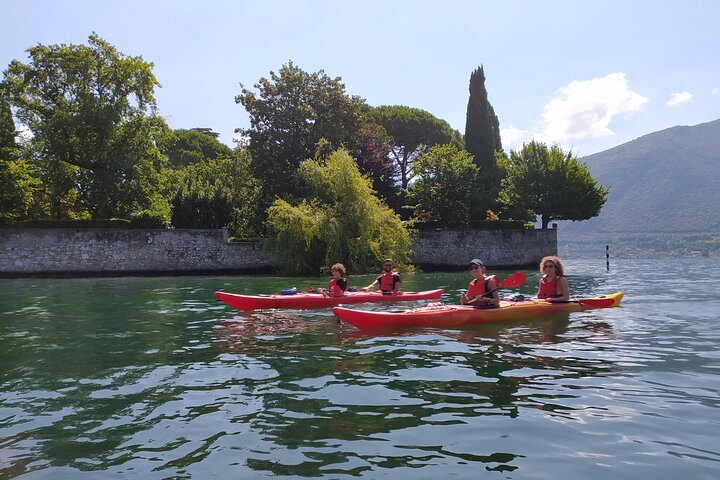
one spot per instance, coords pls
(391, 387)
(148, 378)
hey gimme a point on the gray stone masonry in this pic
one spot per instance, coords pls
(50, 252)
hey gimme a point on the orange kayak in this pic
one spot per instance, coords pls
(455, 315)
(316, 300)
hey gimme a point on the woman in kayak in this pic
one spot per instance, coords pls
(338, 284)
(553, 283)
(389, 282)
(482, 291)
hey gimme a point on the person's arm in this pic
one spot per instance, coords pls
(372, 285)
(342, 285)
(492, 286)
(537, 295)
(397, 284)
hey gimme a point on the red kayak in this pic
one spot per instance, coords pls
(455, 315)
(316, 300)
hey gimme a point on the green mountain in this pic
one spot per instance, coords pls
(664, 195)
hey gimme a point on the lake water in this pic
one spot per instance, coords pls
(153, 378)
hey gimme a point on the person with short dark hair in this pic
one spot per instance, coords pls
(553, 286)
(482, 291)
(389, 282)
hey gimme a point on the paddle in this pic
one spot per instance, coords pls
(512, 281)
(585, 302)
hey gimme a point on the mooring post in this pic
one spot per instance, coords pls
(607, 257)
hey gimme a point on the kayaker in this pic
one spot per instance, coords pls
(482, 291)
(389, 282)
(338, 284)
(553, 283)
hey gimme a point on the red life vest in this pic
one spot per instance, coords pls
(387, 281)
(337, 288)
(549, 288)
(477, 288)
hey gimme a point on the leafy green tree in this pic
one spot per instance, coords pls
(207, 131)
(17, 183)
(95, 128)
(341, 221)
(8, 146)
(446, 186)
(413, 132)
(292, 111)
(185, 147)
(482, 138)
(552, 184)
(216, 193)
(374, 161)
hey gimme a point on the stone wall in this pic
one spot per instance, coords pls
(35, 251)
(48, 252)
(449, 249)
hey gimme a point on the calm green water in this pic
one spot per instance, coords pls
(153, 378)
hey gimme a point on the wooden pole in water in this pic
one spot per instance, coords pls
(607, 257)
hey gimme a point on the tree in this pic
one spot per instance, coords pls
(207, 131)
(552, 184)
(482, 138)
(186, 147)
(374, 161)
(341, 221)
(446, 186)
(17, 184)
(92, 113)
(292, 111)
(413, 132)
(8, 147)
(216, 193)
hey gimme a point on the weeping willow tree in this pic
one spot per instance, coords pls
(341, 220)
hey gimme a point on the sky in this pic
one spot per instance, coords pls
(586, 75)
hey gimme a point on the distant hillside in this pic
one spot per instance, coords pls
(664, 194)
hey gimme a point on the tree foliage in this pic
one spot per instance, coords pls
(92, 114)
(446, 186)
(186, 147)
(374, 161)
(216, 193)
(17, 183)
(552, 184)
(341, 221)
(413, 132)
(290, 113)
(482, 138)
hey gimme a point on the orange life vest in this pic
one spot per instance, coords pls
(549, 288)
(337, 287)
(477, 288)
(387, 281)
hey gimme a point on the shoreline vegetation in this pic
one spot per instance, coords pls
(320, 175)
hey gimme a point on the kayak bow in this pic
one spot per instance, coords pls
(316, 300)
(455, 315)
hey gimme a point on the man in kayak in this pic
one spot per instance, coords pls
(553, 284)
(482, 291)
(338, 284)
(389, 282)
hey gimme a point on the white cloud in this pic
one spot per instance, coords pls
(679, 98)
(715, 91)
(513, 138)
(587, 108)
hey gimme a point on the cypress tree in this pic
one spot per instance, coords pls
(482, 139)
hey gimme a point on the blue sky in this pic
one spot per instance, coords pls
(588, 75)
